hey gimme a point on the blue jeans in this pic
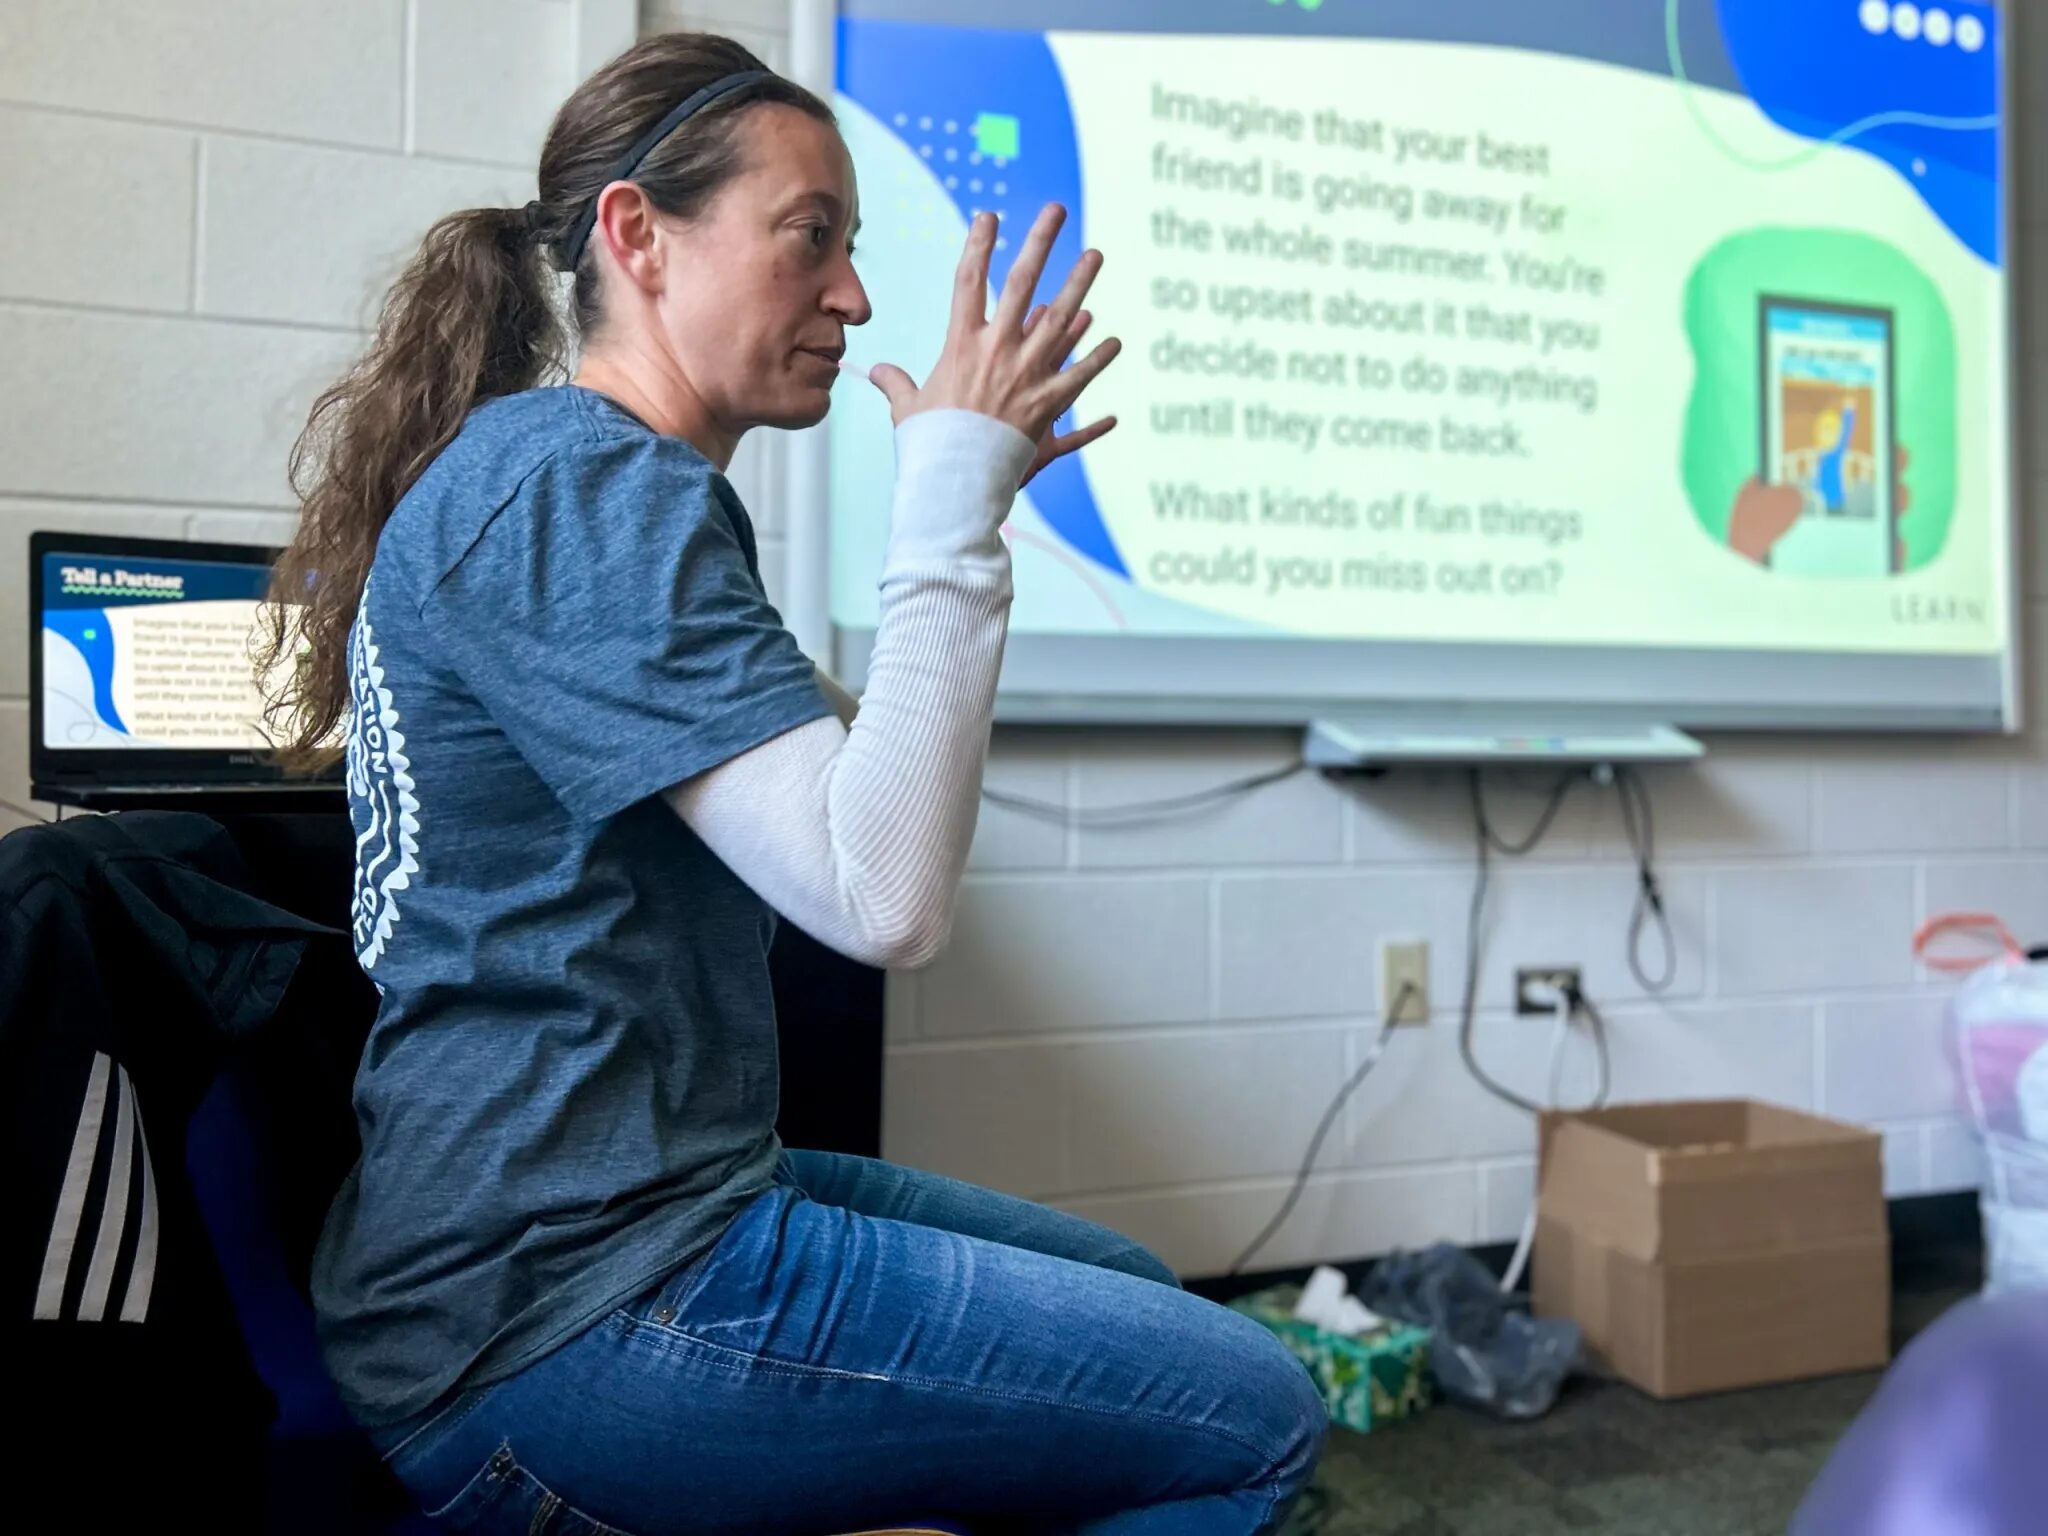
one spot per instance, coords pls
(867, 1345)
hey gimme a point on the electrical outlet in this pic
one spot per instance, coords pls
(1404, 963)
(1548, 979)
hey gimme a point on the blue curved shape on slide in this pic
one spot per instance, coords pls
(917, 72)
(87, 629)
(1815, 70)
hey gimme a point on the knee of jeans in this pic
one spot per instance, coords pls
(1282, 1403)
(1308, 1418)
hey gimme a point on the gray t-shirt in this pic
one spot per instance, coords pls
(571, 1085)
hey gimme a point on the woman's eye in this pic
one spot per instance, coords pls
(816, 234)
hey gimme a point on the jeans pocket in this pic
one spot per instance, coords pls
(741, 1240)
(504, 1499)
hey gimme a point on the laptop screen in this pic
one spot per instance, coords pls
(147, 652)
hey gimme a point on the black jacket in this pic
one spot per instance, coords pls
(133, 954)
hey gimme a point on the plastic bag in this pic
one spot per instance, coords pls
(2015, 1248)
(1485, 1352)
(2030, 1088)
(1999, 1018)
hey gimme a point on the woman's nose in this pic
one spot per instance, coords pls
(847, 298)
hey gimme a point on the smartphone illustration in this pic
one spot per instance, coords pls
(1828, 427)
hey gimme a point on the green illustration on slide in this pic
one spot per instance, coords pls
(1821, 435)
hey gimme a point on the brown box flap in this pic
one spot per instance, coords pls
(1597, 1184)
(1711, 1179)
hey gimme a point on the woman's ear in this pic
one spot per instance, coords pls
(628, 229)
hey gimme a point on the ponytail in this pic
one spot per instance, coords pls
(469, 319)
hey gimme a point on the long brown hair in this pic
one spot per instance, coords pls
(475, 315)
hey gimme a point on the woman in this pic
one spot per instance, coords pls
(574, 1278)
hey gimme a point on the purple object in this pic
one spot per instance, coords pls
(1952, 1445)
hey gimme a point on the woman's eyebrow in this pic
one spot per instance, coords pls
(827, 203)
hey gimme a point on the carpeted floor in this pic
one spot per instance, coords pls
(1608, 1459)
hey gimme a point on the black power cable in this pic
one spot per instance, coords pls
(1639, 825)
(1315, 1145)
(1638, 821)
(1486, 841)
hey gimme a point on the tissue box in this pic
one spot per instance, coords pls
(1367, 1381)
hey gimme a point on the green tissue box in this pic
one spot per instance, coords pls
(1367, 1381)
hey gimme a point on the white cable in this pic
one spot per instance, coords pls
(1571, 1002)
(1520, 1261)
(1559, 1035)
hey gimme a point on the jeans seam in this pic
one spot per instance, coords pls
(668, 1336)
(438, 1423)
(1268, 1460)
(800, 1369)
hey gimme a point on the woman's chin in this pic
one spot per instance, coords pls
(806, 407)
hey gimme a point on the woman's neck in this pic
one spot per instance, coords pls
(661, 397)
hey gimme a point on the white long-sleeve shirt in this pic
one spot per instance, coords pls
(857, 829)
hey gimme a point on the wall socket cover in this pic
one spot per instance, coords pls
(1405, 963)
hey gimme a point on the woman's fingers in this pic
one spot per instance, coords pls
(970, 282)
(1074, 442)
(1077, 378)
(1066, 304)
(1028, 267)
(1077, 329)
(899, 387)
(1051, 448)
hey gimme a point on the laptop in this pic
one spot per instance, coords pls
(142, 680)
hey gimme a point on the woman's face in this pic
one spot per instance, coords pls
(765, 286)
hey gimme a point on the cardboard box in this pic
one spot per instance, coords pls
(1366, 1381)
(1714, 1244)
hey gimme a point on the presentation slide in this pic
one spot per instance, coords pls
(1647, 324)
(150, 653)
